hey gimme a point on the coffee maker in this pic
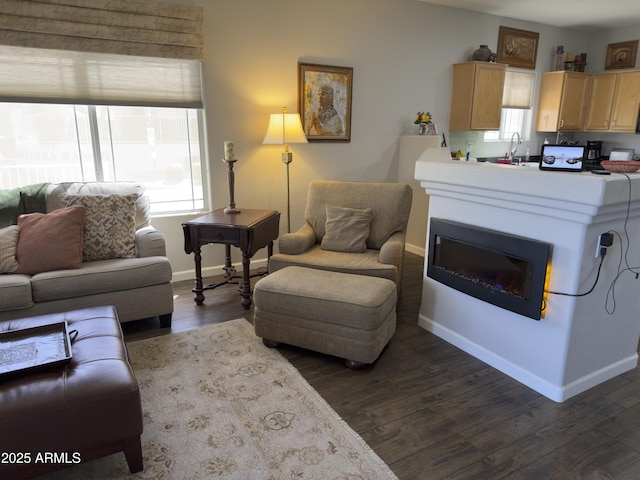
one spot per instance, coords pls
(594, 150)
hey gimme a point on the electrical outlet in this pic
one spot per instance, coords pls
(604, 240)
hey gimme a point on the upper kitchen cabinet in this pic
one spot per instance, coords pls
(562, 102)
(626, 99)
(613, 103)
(476, 96)
(600, 100)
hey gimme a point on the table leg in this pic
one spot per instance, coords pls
(199, 298)
(229, 269)
(245, 288)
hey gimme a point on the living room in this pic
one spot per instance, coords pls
(401, 52)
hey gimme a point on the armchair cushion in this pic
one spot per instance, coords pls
(347, 229)
(366, 263)
(390, 204)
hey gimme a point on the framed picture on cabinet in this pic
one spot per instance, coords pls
(325, 102)
(518, 48)
(621, 55)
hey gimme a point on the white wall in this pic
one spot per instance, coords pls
(401, 52)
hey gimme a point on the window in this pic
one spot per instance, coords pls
(159, 147)
(512, 120)
(516, 107)
(83, 116)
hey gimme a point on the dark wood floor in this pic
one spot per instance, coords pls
(431, 411)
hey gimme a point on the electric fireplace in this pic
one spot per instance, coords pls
(505, 270)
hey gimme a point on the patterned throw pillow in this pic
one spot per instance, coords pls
(109, 225)
(8, 244)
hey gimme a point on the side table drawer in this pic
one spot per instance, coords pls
(220, 235)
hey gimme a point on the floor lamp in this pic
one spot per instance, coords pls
(285, 128)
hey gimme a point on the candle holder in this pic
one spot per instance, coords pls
(231, 178)
(559, 54)
(579, 63)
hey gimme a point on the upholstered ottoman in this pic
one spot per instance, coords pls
(345, 315)
(85, 409)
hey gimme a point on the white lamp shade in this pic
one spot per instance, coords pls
(284, 128)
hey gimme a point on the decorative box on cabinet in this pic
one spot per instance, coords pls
(476, 96)
(563, 100)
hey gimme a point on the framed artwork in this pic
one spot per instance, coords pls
(325, 102)
(433, 129)
(621, 55)
(518, 48)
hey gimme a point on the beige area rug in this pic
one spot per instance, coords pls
(217, 403)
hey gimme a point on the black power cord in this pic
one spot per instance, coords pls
(605, 240)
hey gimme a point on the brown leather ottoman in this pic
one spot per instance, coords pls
(85, 409)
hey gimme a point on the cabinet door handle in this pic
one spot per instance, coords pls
(561, 123)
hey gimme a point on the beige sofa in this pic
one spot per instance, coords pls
(139, 287)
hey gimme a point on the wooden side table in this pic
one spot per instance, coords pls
(249, 230)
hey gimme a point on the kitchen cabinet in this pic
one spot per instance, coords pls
(626, 100)
(563, 100)
(613, 102)
(476, 96)
(600, 100)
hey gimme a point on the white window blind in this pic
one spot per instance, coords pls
(65, 76)
(518, 89)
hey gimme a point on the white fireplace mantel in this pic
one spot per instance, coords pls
(579, 341)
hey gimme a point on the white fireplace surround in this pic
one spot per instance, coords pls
(577, 344)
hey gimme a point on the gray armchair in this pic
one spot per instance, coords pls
(350, 227)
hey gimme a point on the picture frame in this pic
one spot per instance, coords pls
(325, 102)
(621, 55)
(432, 129)
(517, 48)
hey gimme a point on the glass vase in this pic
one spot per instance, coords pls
(422, 129)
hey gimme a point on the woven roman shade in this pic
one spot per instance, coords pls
(116, 52)
(143, 28)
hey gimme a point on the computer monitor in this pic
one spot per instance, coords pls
(564, 158)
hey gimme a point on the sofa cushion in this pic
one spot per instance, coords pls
(143, 209)
(347, 229)
(109, 225)
(27, 199)
(8, 244)
(50, 241)
(101, 276)
(15, 292)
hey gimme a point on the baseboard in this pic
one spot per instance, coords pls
(415, 249)
(216, 270)
(557, 393)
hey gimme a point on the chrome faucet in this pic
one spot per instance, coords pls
(513, 148)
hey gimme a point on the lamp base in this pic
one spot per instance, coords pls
(231, 210)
